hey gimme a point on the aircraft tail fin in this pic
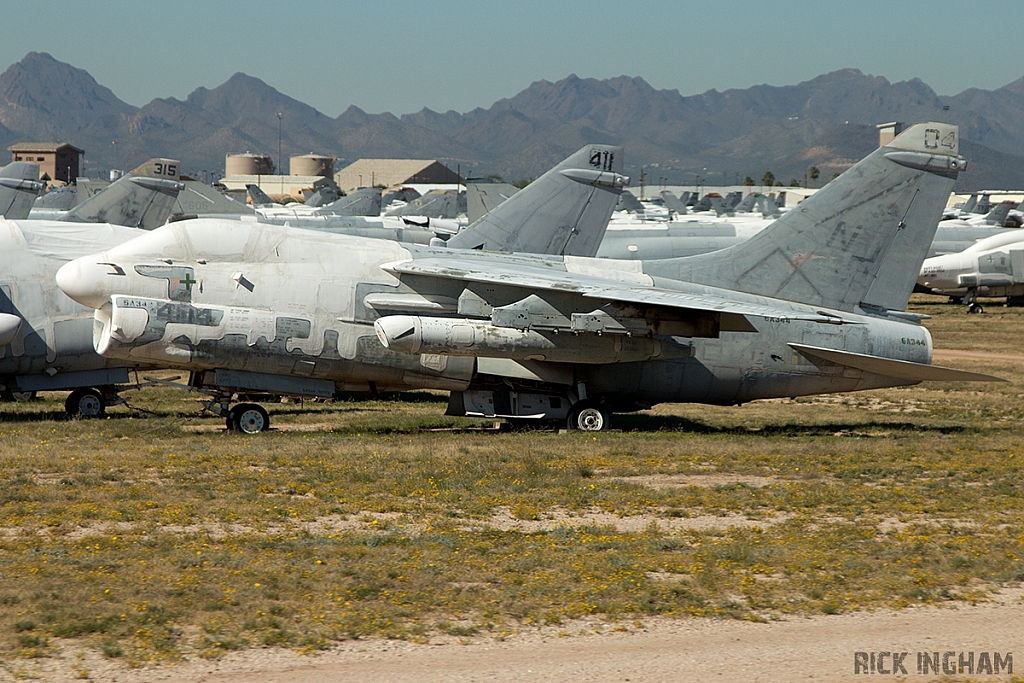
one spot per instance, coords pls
(997, 216)
(565, 211)
(431, 205)
(322, 197)
(143, 198)
(721, 207)
(258, 197)
(969, 205)
(628, 202)
(673, 203)
(780, 201)
(19, 187)
(746, 205)
(703, 204)
(482, 198)
(362, 202)
(984, 204)
(768, 208)
(857, 244)
(198, 198)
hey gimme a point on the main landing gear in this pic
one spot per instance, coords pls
(244, 418)
(973, 307)
(92, 402)
(588, 416)
(247, 418)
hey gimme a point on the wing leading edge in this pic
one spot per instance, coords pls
(635, 288)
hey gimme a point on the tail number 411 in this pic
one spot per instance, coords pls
(602, 159)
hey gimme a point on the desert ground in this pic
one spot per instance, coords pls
(381, 541)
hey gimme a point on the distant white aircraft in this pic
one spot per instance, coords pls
(991, 267)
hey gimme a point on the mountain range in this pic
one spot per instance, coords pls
(827, 122)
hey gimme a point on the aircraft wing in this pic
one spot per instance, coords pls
(888, 367)
(636, 288)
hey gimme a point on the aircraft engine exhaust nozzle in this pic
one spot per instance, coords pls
(463, 337)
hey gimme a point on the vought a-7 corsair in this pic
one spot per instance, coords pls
(813, 304)
(291, 311)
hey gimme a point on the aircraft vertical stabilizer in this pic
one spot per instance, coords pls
(969, 205)
(19, 187)
(363, 202)
(997, 216)
(259, 198)
(565, 211)
(143, 198)
(482, 198)
(673, 203)
(858, 243)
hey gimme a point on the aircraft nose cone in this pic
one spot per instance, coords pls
(85, 282)
(9, 326)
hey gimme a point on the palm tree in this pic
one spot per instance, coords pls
(813, 173)
(768, 179)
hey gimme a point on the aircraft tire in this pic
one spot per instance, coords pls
(85, 403)
(975, 309)
(249, 418)
(588, 417)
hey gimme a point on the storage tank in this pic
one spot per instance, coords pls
(312, 164)
(248, 164)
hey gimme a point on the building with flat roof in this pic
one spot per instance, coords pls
(57, 160)
(393, 172)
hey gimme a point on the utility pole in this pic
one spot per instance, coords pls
(281, 115)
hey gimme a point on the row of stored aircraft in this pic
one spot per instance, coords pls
(514, 315)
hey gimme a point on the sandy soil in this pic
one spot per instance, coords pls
(952, 354)
(658, 651)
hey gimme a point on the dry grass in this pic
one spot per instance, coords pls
(149, 540)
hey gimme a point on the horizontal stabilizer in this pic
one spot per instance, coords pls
(899, 369)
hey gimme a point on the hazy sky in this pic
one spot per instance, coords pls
(400, 55)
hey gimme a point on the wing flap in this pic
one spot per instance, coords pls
(899, 369)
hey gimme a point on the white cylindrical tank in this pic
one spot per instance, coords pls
(312, 164)
(248, 164)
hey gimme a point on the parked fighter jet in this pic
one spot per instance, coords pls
(19, 188)
(45, 337)
(812, 305)
(565, 211)
(991, 267)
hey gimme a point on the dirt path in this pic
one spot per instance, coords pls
(798, 649)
